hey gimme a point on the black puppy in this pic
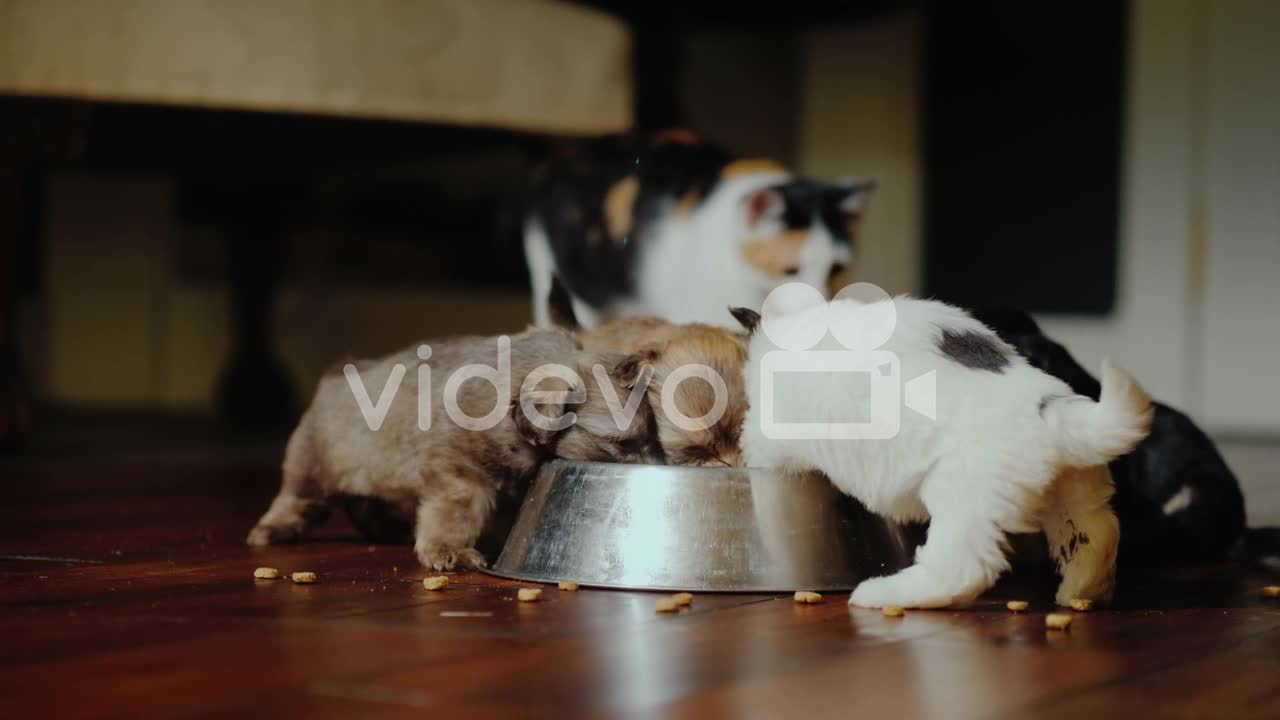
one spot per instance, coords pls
(1177, 500)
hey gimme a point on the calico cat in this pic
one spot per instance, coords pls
(678, 228)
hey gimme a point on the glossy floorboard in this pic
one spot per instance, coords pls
(125, 591)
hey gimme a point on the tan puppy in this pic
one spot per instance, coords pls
(699, 410)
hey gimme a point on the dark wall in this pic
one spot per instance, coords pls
(1022, 140)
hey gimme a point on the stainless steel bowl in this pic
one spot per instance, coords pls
(705, 529)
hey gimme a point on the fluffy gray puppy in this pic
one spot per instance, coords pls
(450, 477)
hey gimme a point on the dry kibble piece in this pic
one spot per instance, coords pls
(568, 585)
(683, 599)
(529, 594)
(1057, 621)
(1016, 605)
(1271, 591)
(435, 583)
(806, 597)
(666, 605)
(893, 611)
(304, 578)
(1081, 604)
(266, 573)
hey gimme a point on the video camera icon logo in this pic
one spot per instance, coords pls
(796, 318)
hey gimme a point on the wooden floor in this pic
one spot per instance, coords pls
(126, 592)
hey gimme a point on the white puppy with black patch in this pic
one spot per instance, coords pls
(1010, 449)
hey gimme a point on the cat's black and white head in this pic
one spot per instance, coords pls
(762, 227)
(802, 230)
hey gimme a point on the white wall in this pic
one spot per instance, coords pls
(858, 114)
(1240, 339)
(1199, 311)
(1149, 331)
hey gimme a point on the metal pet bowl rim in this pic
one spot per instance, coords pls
(733, 475)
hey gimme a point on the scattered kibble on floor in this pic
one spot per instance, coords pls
(893, 611)
(435, 583)
(568, 585)
(1081, 604)
(529, 594)
(1017, 605)
(266, 573)
(1057, 621)
(683, 599)
(807, 597)
(666, 605)
(304, 578)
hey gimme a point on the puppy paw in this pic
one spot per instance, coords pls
(875, 593)
(471, 558)
(1067, 595)
(911, 588)
(1087, 578)
(263, 535)
(436, 558)
(446, 558)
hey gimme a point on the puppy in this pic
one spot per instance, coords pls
(450, 476)
(1011, 450)
(698, 398)
(696, 390)
(1177, 499)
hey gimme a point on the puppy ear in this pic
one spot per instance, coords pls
(525, 427)
(748, 318)
(560, 306)
(636, 367)
(540, 416)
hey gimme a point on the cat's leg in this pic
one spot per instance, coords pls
(301, 502)
(452, 512)
(964, 552)
(1083, 533)
(542, 264)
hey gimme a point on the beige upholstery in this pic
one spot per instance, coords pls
(516, 64)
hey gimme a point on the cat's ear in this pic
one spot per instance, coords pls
(765, 209)
(560, 306)
(851, 195)
(748, 318)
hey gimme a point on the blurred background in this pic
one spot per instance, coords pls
(204, 204)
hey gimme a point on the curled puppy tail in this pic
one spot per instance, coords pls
(1094, 433)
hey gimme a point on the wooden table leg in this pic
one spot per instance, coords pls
(34, 133)
(15, 399)
(255, 392)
